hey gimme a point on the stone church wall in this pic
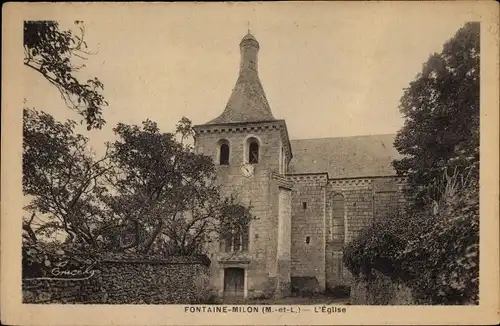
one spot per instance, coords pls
(358, 213)
(358, 203)
(308, 231)
(260, 262)
(316, 242)
(269, 137)
(364, 200)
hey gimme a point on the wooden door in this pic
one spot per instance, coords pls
(234, 283)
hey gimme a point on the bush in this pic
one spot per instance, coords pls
(446, 256)
(435, 252)
(377, 247)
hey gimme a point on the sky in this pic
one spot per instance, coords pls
(328, 69)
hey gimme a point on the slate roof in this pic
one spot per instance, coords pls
(345, 157)
(248, 102)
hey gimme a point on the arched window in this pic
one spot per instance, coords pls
(253, 151)
(237, 240)
(224, 154)
(338, 218)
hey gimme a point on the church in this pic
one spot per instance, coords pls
(309, 196)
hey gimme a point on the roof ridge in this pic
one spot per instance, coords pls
(337, 137)
(341, 157)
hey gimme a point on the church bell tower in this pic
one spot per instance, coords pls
(251, 151)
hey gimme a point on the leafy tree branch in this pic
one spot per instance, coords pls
(51, 52)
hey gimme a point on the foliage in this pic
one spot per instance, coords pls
(446, 252)
(149, 191)
(51, 52)
(435, 253)
(434, 247)
(441, 111)
(377, 247)
(164, 192)
(63, 180)
(39, 259)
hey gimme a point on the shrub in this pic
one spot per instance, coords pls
(435, 251)
(446, 256)
(377, 247)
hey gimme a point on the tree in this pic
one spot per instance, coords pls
(434, 247)
(165, 193)
(51, 52)
(63, 179)
(441, 111)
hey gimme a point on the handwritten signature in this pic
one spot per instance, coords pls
(60, 272)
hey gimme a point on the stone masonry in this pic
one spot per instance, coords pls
(310, 196)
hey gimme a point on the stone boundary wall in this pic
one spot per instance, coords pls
(380, 290)
(128, 281)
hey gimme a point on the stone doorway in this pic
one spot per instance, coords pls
(234, 283)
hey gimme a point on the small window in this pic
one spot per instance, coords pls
(304, 205)
(282, 161)
(308, 239)
(253, 152)
(224, 154)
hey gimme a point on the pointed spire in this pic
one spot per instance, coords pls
(248, 102)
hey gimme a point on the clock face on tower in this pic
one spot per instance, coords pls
(247, 170)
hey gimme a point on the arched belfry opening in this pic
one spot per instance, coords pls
(224, 151)
(253, 150)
